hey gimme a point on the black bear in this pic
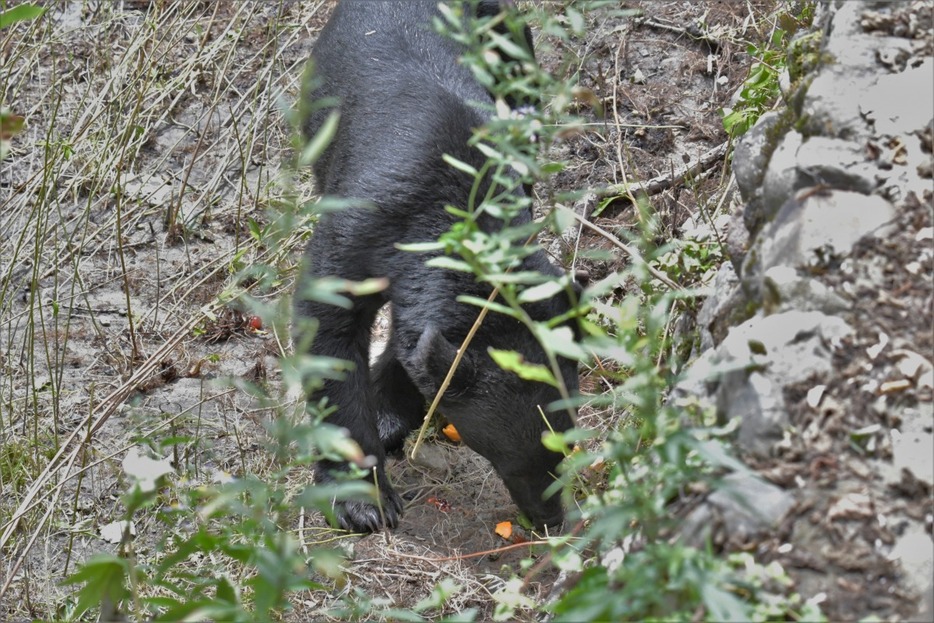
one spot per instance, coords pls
(404, 101)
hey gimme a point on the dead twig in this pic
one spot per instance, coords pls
(676, 176)
(693, 31)
(628, 250)
(456, 557)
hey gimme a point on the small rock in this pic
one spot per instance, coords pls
(115, 531)
(877, 348)
(814, 395)
(851, 506)
(433, 458)
(910, 363)
(912, 443)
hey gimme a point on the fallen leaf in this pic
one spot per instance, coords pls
(440, 503)
(894, 386)
(451, 433)
(851, 506)
(504, 529)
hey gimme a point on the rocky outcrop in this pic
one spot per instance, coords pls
(817, 343)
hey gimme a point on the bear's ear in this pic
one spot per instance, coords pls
(429, 363)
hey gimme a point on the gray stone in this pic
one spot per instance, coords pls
(751, 504)
(801, 163)
(743, 504)
(752, 153)
(807, 232)
(792, 345)
(847, 43)
(912, 443)
(778, 182)
(737, 240)
(722, 309)
(914, 550)
(758, 402)
(433, 458)
(831, 105)
(756, 360)
(836, 163)
(783, 288)
(901, 103)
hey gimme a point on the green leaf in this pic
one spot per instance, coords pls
(560, 340)
(555, 442)
(723, 605)
(464, 616)
(227, 591)
(460, 165)
(541, 292)
(514, 362)
(320, 140)
(420, 247)
(507, 46)
(201, 610)
(396, 614)
(104, 582)
(450, 263)
(20, 13)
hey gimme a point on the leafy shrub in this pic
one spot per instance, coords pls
(761, 89)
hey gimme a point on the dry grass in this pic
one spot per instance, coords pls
(155, 132)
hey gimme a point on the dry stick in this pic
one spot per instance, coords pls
(693, 33)
(450, 375)
(628, 250)
(662, 182)
(497, 550)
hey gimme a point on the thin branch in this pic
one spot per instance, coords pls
(677, 175)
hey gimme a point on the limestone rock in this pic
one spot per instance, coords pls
(807, 232)
(784, 289)
(744, 505)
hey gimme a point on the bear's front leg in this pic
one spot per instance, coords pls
(345, 334)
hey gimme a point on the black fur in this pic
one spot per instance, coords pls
(404, 101)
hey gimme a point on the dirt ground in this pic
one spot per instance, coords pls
(156, 138)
